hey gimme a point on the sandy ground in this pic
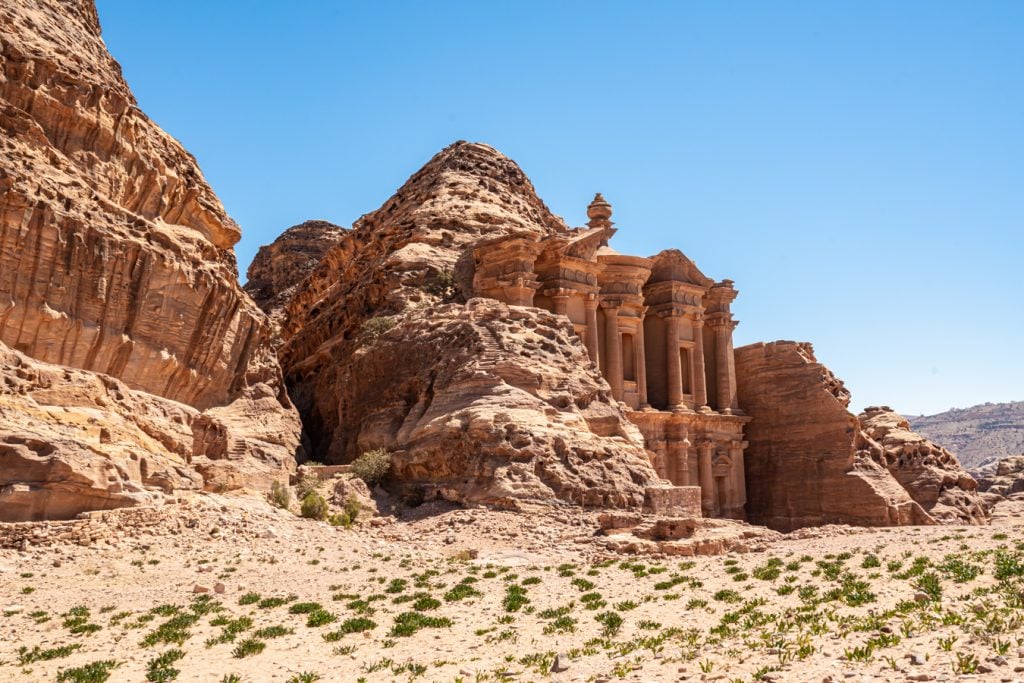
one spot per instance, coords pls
(920, 603)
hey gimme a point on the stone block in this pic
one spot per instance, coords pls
(674, 501)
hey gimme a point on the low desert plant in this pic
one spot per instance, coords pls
(26, 656)
(248, 647)
(440, 283)
(408, 623)
(280, 495)
(159, 669)
(94, 672)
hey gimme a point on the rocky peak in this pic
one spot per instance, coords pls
(419, 241)
(279, 267)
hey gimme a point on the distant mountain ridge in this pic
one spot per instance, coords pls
(978, 435)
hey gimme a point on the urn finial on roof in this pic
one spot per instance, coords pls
(599, 212)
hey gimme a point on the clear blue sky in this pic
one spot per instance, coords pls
(856, 167)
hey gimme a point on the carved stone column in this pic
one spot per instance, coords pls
(672, 365)
(739, 477)
(734, 405)
(683, 462)
(613, 346)
(560, 300)
(641, 365)
(520, 292)
(725, 366)
(707, 477)
(700, 390)
(590, 338)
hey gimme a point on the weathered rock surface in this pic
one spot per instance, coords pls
(809, 461)
(511, 411)
(115, 255)
(930, 473)
(479, 402)
(404, 255)
(1002, 479)
(281, 266)
(116, 258)
(74, 440)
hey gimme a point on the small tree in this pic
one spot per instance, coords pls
(372, 466)
(314, 506)
(280, 495)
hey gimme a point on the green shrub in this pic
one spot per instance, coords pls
(305, 608)
(460, 591)
(376, 327)
(248, 647)
(372, 466)
(160, 669)
(280, 495)
(352, 507)
(340, 519)
(314, 506)
(26, 656)
(249, 599)
(440, 283)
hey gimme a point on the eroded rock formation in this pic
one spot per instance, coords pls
(479, 401)
(115, 255)
(810, 461)
(279, 267)
(930, 473)
(74, 440)
(404, 255)
(505, 413)
(1002, 479)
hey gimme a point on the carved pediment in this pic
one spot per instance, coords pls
(673, 265)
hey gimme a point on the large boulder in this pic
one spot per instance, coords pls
(810, 461)
(115, 255)
(486, 403)
(930, 473)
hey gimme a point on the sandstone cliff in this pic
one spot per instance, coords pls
(810, 461)
(115, 255)
(279, 267)
(478, 401)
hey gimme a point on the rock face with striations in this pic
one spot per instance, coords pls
(115, 255)
(810, 461)
(478, 401)
(279, 267)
